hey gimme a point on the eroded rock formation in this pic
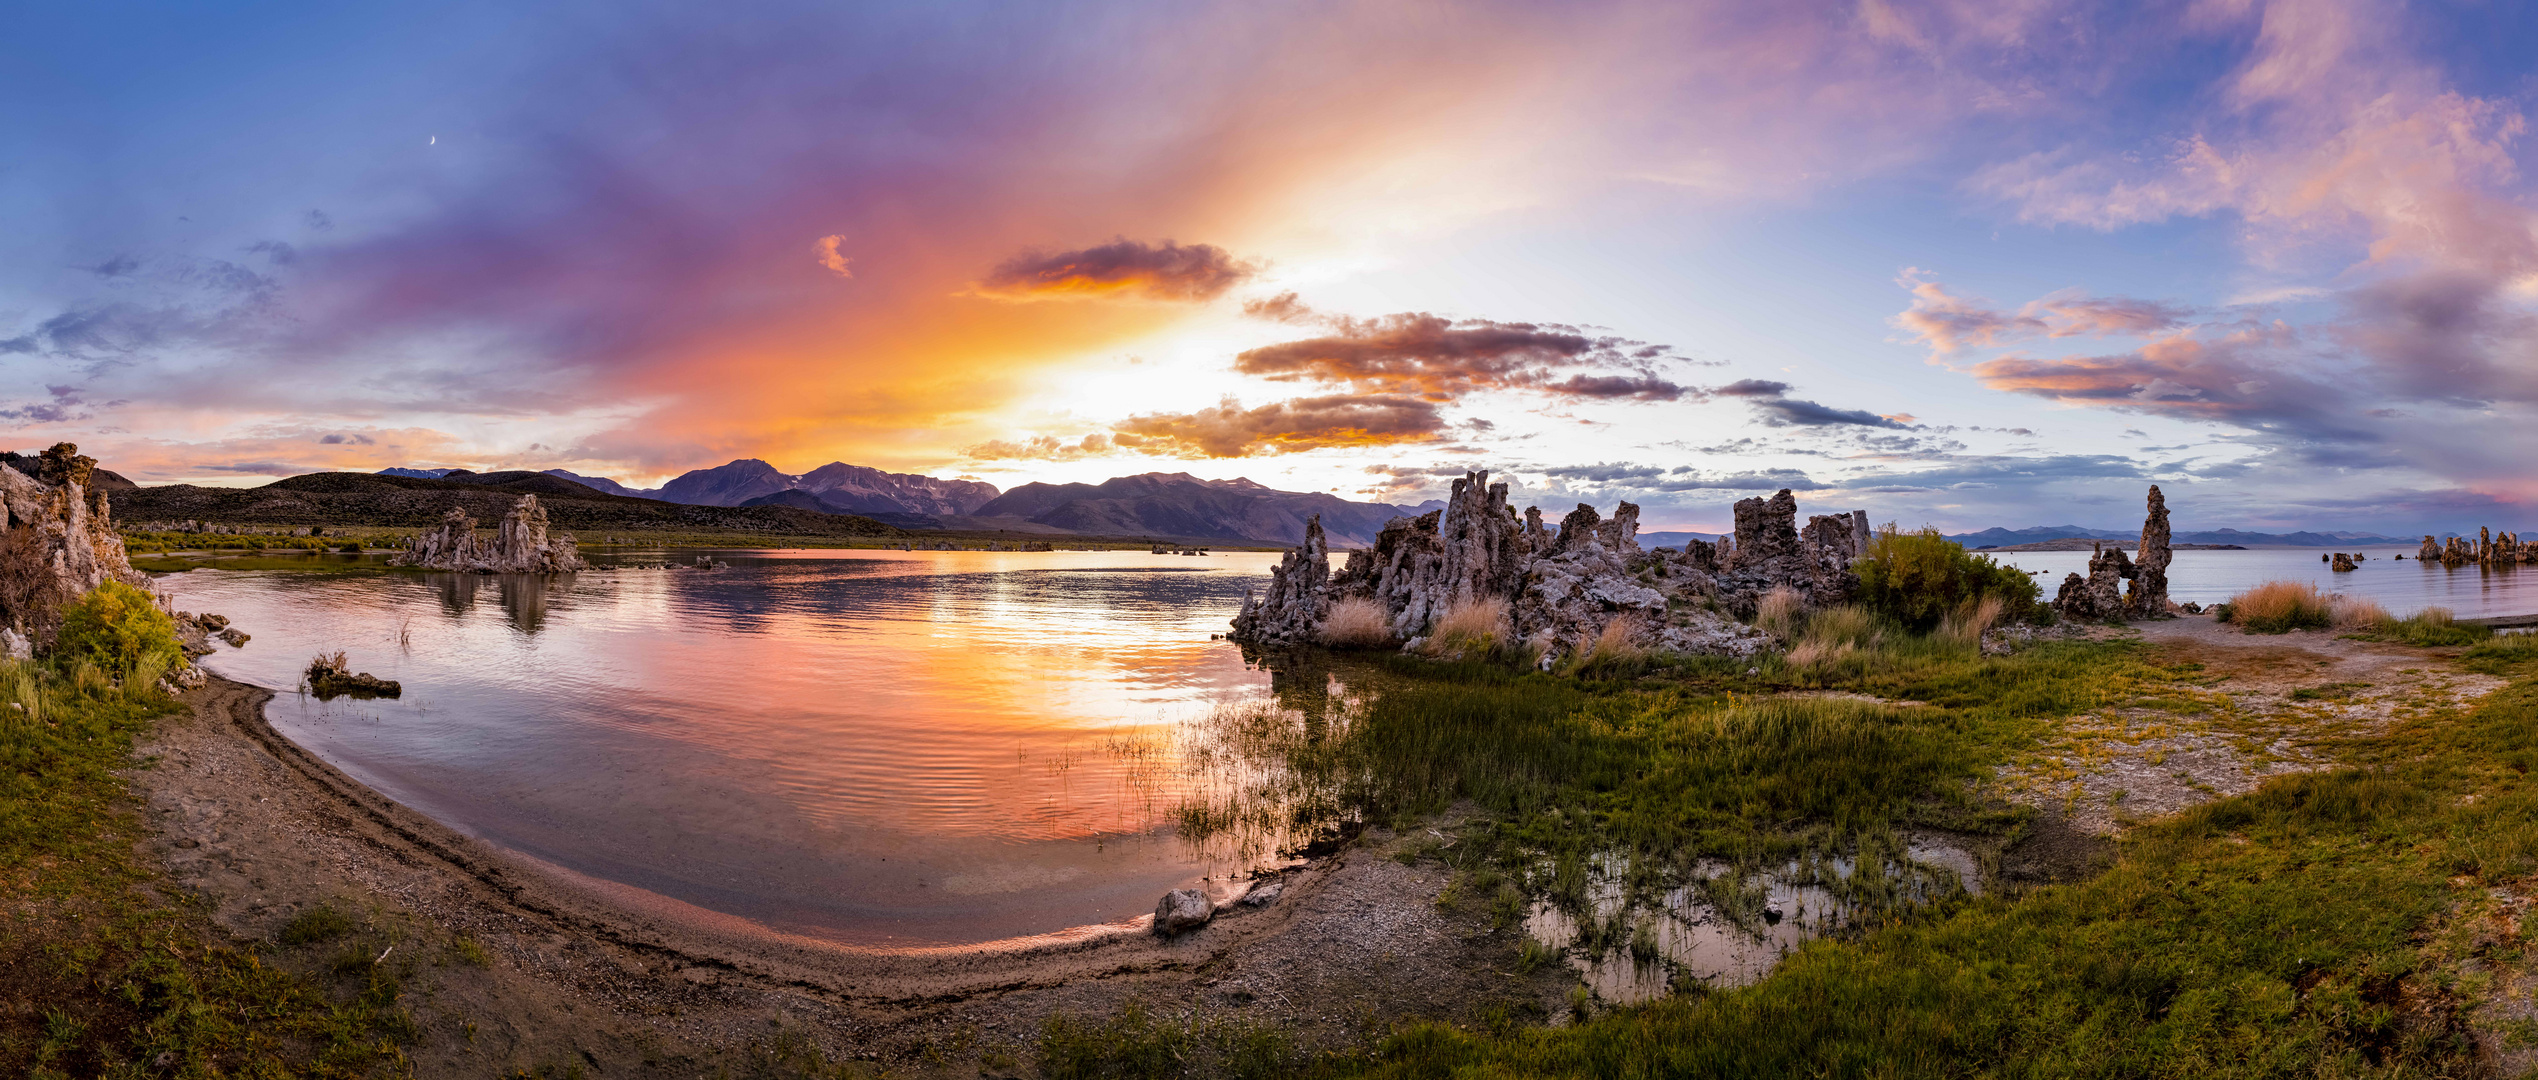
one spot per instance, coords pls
(2119, 587)
(2488, 549)
(57, 541)
(520, 544)
(2342, 563)
(1561, 589)
(2149, 596)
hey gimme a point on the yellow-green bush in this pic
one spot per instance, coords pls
(118, 628)
(1920, 578)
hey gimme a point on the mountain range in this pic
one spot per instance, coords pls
(1173, 505)
(1164, 505)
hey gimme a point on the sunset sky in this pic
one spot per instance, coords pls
(1959, 263)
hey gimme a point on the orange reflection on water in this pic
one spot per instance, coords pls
(823, 740)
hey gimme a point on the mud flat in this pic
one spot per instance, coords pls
(510, 964)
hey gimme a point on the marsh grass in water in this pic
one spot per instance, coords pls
(1672, 769)
(2325, 924)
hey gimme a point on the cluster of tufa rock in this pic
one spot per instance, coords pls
(57, 542)
(1561, 589)
(2119, 587)
(519, 546)
(2488, 549)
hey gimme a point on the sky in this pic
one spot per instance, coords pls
(1956, 263)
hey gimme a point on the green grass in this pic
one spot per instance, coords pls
(2318, 926)
(1137, 1043)
(128, 976)
(1667, 771)
(2329, 692)
(2274, 934)
(2431, 627)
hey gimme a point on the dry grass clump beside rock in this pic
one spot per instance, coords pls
(1966, 624)
(1356, 623)
(1834, 633)
(1471, 628)
(1615, 650)
(1780, 613)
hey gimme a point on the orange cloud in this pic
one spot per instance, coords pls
(829, 257)
(1441, 359)
(1950, 323)
(1285, 427)
(1123, 267)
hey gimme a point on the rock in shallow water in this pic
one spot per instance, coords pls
(1181, 911)
(520, 545)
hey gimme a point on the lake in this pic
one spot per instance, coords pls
(874, 748)
(2403, 587)
(868, 747)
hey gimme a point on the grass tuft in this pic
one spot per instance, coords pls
(1356, 623)
(1780, 612)
(2278, 607)
(1472, 629)
(320, 923)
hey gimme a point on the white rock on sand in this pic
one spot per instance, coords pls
(1181, 911)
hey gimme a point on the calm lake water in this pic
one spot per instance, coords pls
(881, 748)
(2403, 587)
(875, 748)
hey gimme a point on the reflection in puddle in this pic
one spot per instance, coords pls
(1730, 928)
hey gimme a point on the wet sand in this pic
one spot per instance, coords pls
(574, 971)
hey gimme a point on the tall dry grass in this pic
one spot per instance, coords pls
(2360, 613)
(2277, 607)
(1615, 648)
(1356, 623)
(1834, 633)
(1779, 613)
(1471, 628)
(1966, 624)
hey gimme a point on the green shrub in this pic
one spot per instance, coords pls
(117, 627)
(1920, 578)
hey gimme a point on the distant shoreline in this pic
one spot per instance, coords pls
(2079, 544)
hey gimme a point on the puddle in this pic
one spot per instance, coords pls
(1729, 929)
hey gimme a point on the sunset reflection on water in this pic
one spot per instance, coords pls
(875, 747)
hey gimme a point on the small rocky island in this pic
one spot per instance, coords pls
(520, 545)
(1563, 591)
(2488, 549)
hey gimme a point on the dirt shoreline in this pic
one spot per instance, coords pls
(510, 964)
